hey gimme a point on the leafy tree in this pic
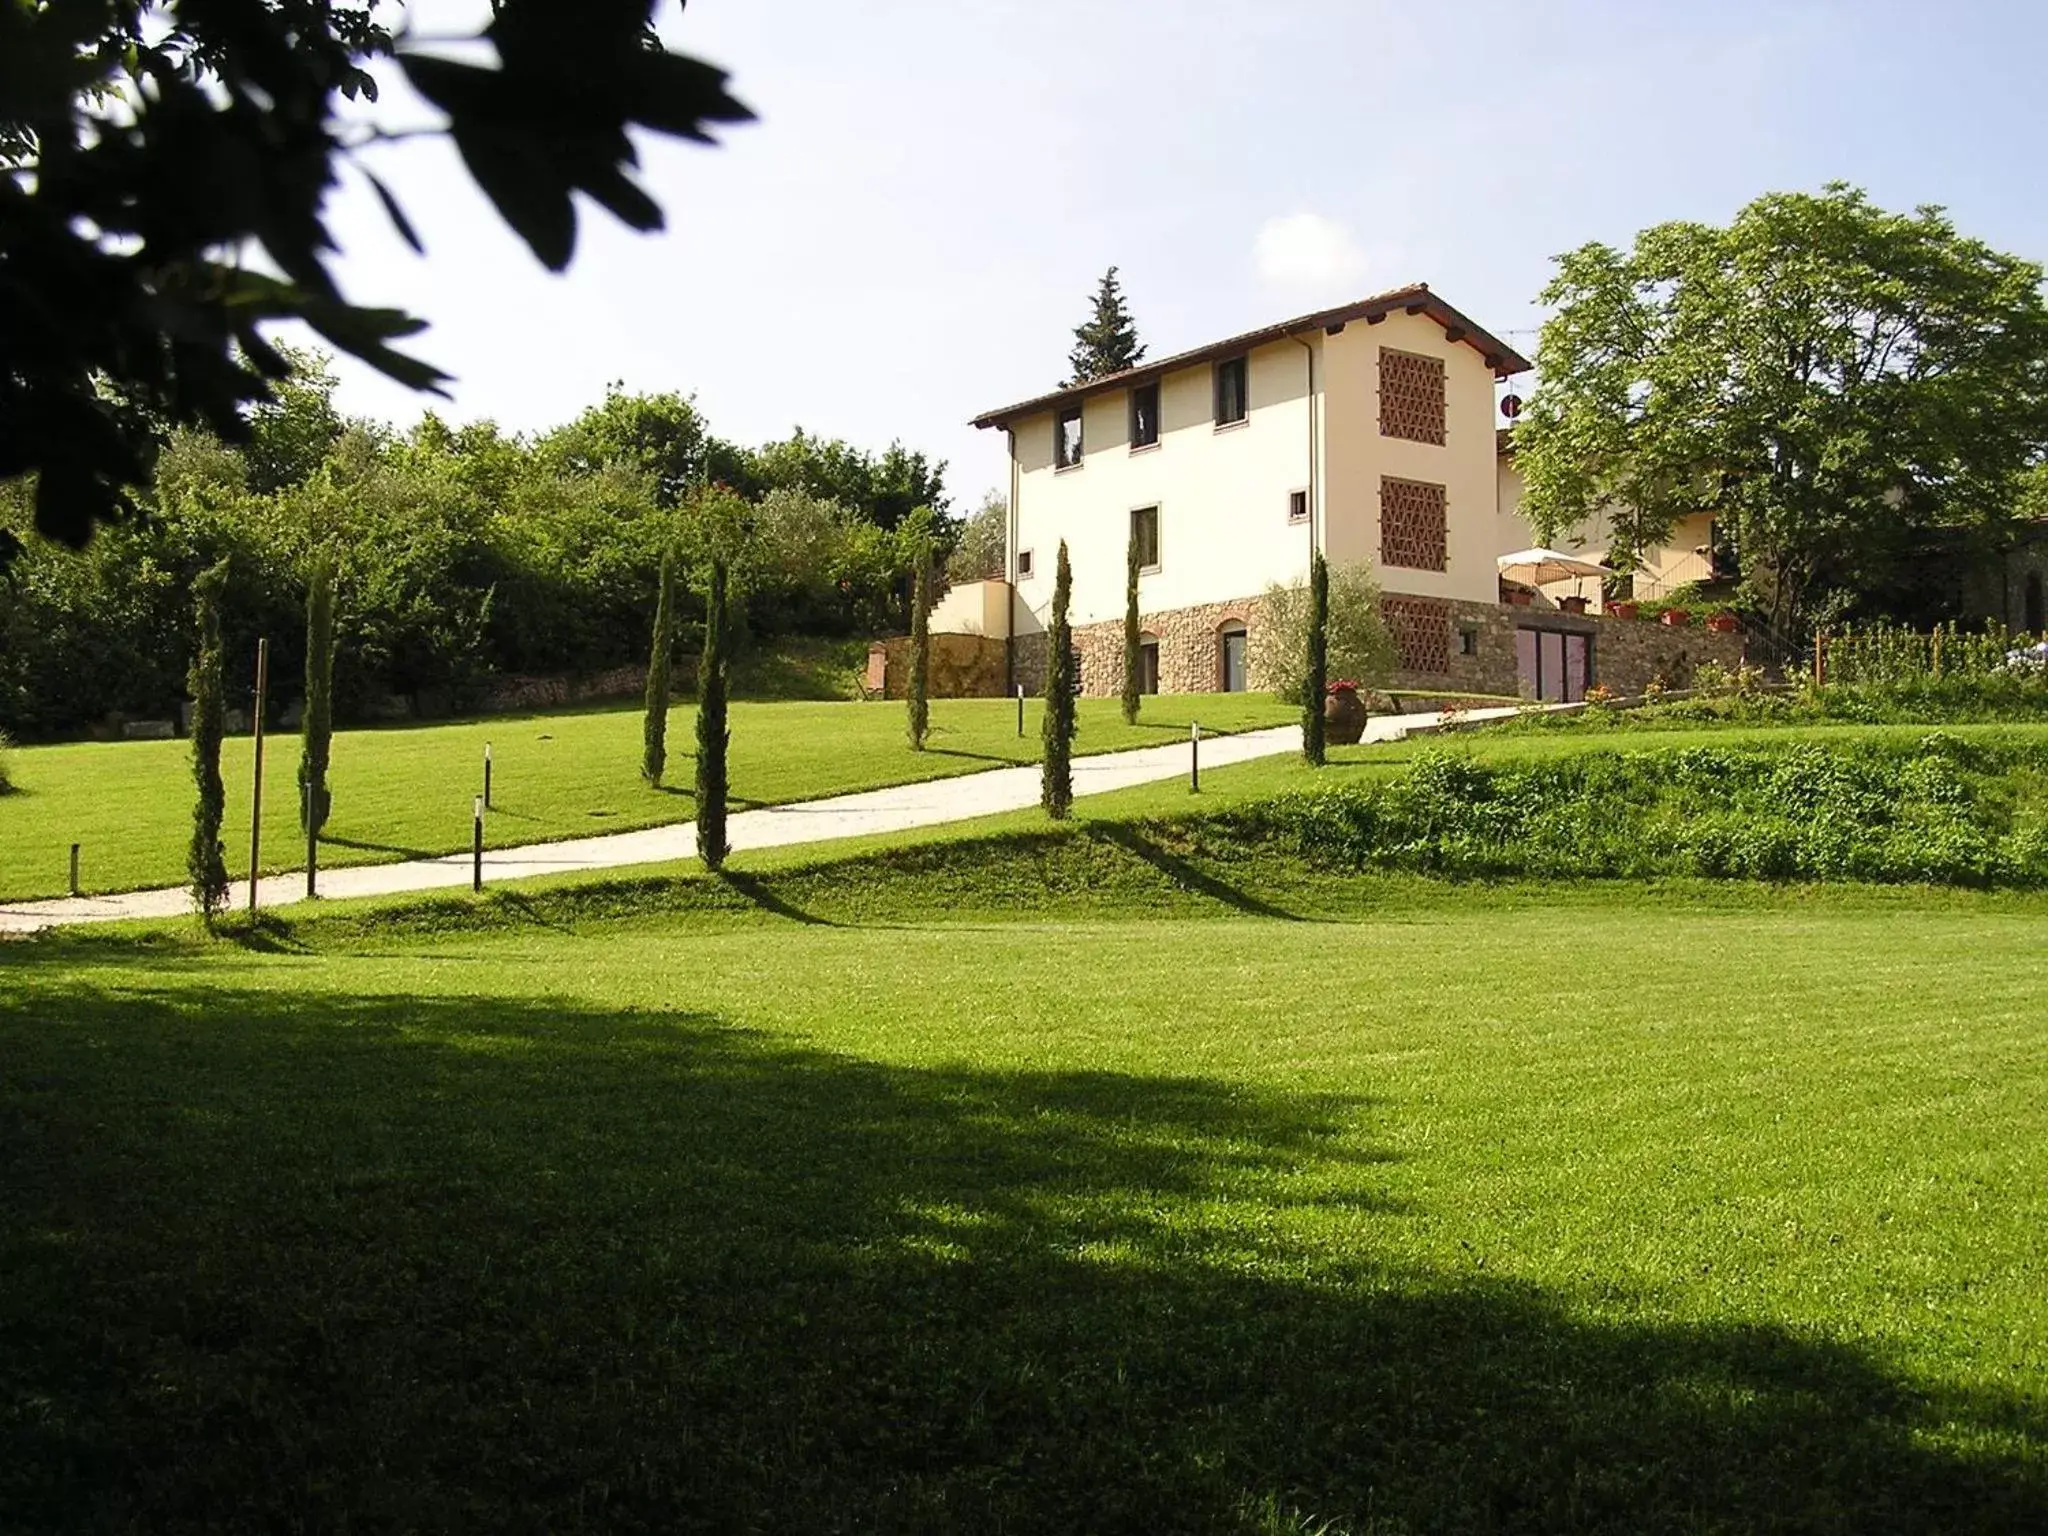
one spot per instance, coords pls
(1056, 773)
(917, 696)
(661, 436)
(1357, 647)
(883, 489)
(982, 550)
(206, 860)
(713, 737)
(291, 433)
(1831, 381)
(147, 145)
(1107, 341)
(1134, 651)
(654, 730)
(316, 726)
(1315, 681)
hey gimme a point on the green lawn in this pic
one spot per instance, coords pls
(406, 792)
(774, 1204)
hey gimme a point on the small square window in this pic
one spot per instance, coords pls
(1232, 403)
(1468, 642)
(1297, 506)
(1066, 438)
(1145, 537)
(1023, 565)
(1145, 415)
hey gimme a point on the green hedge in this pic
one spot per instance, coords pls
(1940, 810)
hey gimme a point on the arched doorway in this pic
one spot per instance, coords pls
(1148, 663)
(1232, 646)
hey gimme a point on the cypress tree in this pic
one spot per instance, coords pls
(1107, 342)
(920, 643)
(206, 861)
(712, 735)
(1056, 775)
(1133, 651)
(654, 731)
(1315, 679)
(316, 729)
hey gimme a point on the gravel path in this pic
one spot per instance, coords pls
(814, 821)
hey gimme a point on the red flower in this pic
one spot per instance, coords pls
(1341, 685)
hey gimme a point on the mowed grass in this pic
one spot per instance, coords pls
(788, 1207)
(407, 792)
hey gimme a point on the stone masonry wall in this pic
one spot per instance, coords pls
(962, 667)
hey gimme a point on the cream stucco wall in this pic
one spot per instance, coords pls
(972, 608)
(1358, 455)
(1672, 564)
(1222, 493)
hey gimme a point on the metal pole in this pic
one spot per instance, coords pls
(1020, 709)
(1194, 757)
(74, 869)
(256, 788)
(487, 775)
(476, 847)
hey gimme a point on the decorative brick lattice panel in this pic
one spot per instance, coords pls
(1413, 522)
(1421, 627)
(1411, 396)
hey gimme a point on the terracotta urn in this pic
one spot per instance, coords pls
(1723, 623)
(1344, 715)
(1674, 618)
(1625, 609)
(1517, 597)
(1571, 605)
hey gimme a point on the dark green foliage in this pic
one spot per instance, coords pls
(917, 696)
(1107, 342)
(1056, 772)
(713, 736)
(206, 860)
(1943, 811)
(316, 729)
(131, 307)
(654, 730)
(1315, 674)
(1134, 656)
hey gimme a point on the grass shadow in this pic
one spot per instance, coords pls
(764, 896)
(329, 840)
(543, 1264)
(1133, 840)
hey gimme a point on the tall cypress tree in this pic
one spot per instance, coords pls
(316, 729)
(1315, 679)
(206, 860)
(1107, 342)
(919, 691)
(1134, 651)
(1056, 774)
(654, 730)
(712, 735)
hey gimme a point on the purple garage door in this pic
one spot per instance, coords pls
(1554, 667)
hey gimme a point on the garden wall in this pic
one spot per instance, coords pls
(962, 667)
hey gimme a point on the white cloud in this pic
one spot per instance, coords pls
(1306, 250)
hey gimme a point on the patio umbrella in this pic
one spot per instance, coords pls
(1540, 566)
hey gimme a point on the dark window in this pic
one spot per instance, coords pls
(1148, 665)
(1468, 642)
(1144, 415)
(1231, 396)
(1145, 535)
(1066, 438)
(1297, 506)
(1023, 564)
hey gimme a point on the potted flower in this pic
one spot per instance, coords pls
(1572, 604)
(1723, 623)
(1626, 608)
(1675, 618)
(1344, 713)
(1515, 595)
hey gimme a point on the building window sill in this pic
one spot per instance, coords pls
(1067, 469)
(1148, 570)
(1144, 448)
(1233, 426)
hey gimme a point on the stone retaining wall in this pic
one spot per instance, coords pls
(962, 667)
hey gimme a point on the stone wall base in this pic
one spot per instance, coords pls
(962, 667)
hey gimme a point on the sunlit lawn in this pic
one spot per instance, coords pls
(405, 792)
(1547, 1209)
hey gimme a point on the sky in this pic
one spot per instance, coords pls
(912, 229)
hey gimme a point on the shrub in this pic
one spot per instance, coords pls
(316, 727)
(1939, 810)
(206, 860)
(712, 735)
(1056, 772)
(660, 661)
(6, 776)
(1359, 645)
(917, 698)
